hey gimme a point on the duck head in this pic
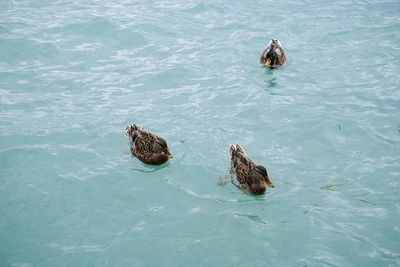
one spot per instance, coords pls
(264, 174)
(160, 147)
(272, 53)
(260, 180)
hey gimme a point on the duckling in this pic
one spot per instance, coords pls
(147, 147)
(273, 56)
(249, 176)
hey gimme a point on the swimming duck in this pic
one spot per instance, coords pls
(249, 176)
(147, 147)
(273, 56)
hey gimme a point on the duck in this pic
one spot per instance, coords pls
(246, 174)
(147, 147)
(273, 56)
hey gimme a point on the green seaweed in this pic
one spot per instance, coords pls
(357, 196)
(331, 187)
(254, 218)
(366, 201)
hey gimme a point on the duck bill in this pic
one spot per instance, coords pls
(269, 184)
(268, 63)
(170, 156)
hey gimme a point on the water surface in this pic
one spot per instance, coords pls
(73, 74)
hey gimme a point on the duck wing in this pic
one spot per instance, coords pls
(143, 144)
(241, 165)
(264, 55)
(281, 56)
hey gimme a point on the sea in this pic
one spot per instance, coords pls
(75, 73)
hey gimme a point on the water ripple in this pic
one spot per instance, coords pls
(73, 74)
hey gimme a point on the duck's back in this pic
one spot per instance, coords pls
(241, 165)
(143, 143)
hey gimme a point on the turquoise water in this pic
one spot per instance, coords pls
(73, 74)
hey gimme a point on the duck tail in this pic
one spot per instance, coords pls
(236, 153)
(232, 150)
(132, 131)
(236, 149)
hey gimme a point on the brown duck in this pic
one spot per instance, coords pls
(249, 176)
(273, 56)
(147, 147)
